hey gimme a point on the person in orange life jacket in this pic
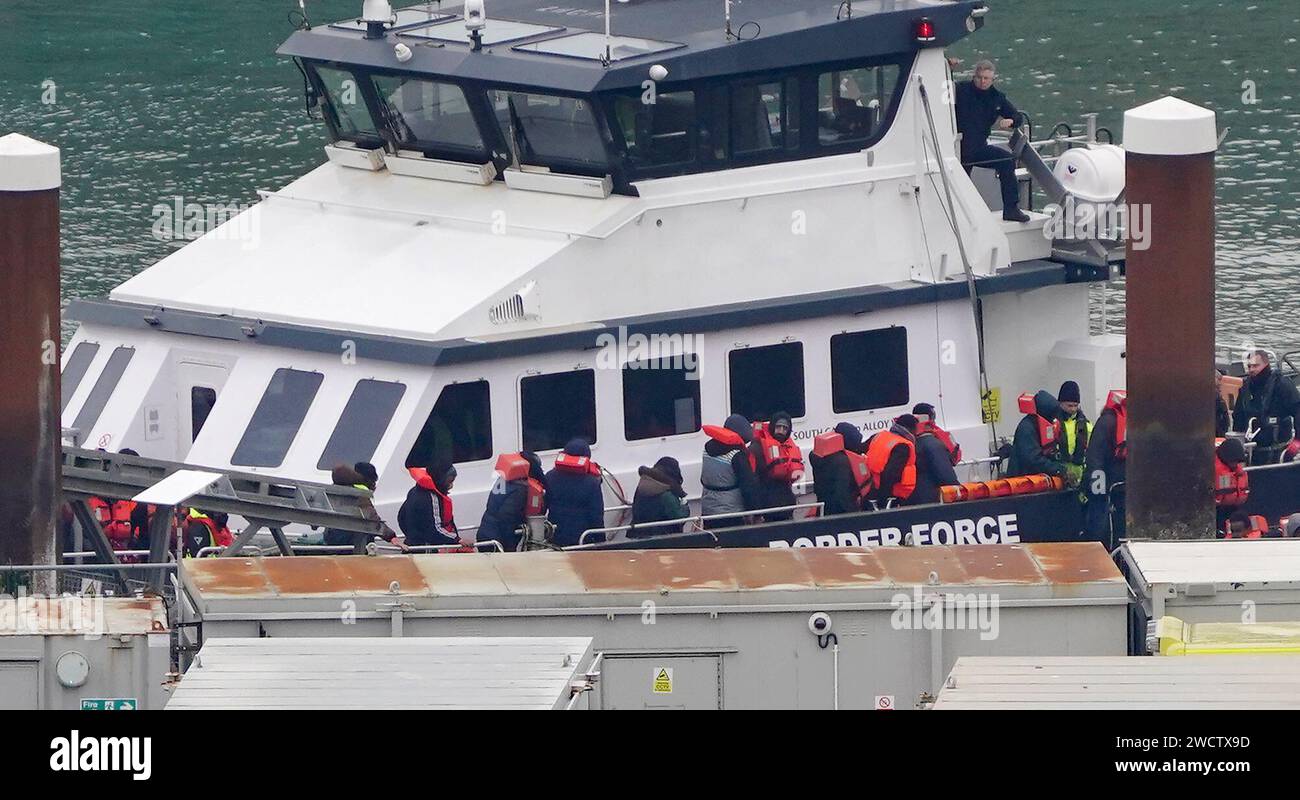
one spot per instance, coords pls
(659, 498)
(426, 516)
(206, 530)
(834, 479)
(1033, 448)
(1104, 467)
(778, 463)
(574, 494)
(727, 472)
(891, 460)
(1241, 525)
(1231, 486)
(511, 501)
(935, 451)
(343, 475)
(1266, 395)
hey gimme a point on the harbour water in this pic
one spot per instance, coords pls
(166, 99)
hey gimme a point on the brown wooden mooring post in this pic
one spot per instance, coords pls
(1169, 169)
(30, 436)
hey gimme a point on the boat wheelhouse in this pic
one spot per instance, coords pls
(531, 230)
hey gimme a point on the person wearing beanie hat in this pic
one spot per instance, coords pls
(834, 480)
(727, 480)
(343, 475)
(659, 498)
(1072, 448)
(778, 463)
(575, 494)
(1034, 444)
(426, 516)
(934, 461)
(852, 436)
(891, 460)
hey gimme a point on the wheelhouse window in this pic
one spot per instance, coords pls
(202, 399)
(558, 407)
(431, 116)
(277, 419)
(757, 118)
(869, 370)
(765, 380)
(103, 389)
(852, 104)
(658, 133)
(345, 105)
(459, 429)
(75, 370)
(660, 398)
(362, 424)
(558, 133)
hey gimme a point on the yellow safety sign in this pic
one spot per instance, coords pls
(663, 680)
(992, 405)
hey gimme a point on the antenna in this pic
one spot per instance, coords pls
(607, 58)
(726, 10)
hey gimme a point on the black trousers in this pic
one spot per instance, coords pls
(999, 160)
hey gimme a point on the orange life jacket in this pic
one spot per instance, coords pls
(954, 449)
(1231, 484)
(1258, 527)
(115, 519)
(782, 461)
(727, 436)
(1049, 431)
(536, 504)
(581, 464)
(830, 443)
(1117, 401)
(217, 537)
(882, 444)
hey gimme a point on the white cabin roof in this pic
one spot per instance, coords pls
(1216, 561)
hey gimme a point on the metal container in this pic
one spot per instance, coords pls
(390, 674)
(1209, 580)
(743, 628)
(83, 652)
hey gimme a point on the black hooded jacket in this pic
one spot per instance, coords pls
(933, 469)
(1268, 394)
(658, 498)
(833, 480)
(1027, 456)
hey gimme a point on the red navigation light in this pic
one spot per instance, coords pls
(925, 30)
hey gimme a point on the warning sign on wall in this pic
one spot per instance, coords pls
(884, 702)
(663, 680)
(992, 405)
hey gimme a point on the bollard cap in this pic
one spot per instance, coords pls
(27, 165)
(1170, 127)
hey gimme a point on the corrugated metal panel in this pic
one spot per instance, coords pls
(1227, 681)
(402, 673)
(724, 570)
(28, 616)
(1217, 561)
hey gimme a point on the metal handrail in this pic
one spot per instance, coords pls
(434, 548)
(92, 553)
(204, 552)
(699, 518)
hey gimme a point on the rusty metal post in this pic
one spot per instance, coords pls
(29, 340)
(1169, 169)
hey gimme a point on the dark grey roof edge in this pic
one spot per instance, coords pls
(1021, 277)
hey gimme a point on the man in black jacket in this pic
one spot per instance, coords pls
(1271, 400)
(426, 516)
(979, 107)
(933, 462)
(899, 447)
(1029, 454)
(1222, 416)
(1105, 467)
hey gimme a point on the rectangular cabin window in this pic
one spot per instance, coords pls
(345, 105)
(277, 418)
(869, 370)
(75, 370)
(559, 133)
(431, 116)
(757, 118)
(362, 424)
(660, 398)
(202, 399)
(101, 391)
(853, 103)
(659, 133)
(765, 380)
(459, 429)
(558, 407)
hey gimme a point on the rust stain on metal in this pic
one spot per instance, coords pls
(833, 568)
(226, 577)
(909, 565)
(696, 570)
(343, 575)
(1074, 562)
(1007, 564)
(765, 568)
